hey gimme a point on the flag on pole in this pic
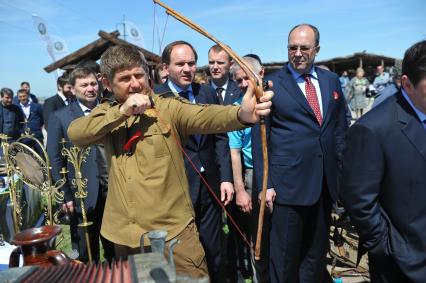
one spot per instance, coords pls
(132, 34)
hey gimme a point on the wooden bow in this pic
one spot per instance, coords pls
(258, 90)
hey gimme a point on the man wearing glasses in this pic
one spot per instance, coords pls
(306, 132)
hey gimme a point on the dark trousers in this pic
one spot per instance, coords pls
(383, 269)
(299, 241)
(239, 254)
(78, 238)
(209, 223)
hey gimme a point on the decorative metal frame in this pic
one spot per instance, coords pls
(14, 193)
(18, 153)
(76, 156)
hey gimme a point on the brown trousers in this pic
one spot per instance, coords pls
(189, 254)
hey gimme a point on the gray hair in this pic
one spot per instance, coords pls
(254, 64)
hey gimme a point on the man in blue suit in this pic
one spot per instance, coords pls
(305, 133)
(31, 96)
(85, 87)
(384, 180)
(33, 113)
(208, 153)
(219, 66)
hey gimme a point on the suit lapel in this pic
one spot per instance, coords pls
(60, 100)
(325, 93)
(287, 81)
(75, 110)
(231, 93)
(410, 125)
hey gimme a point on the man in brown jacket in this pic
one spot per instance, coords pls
(142, 134)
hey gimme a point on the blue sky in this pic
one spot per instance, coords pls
(252, 26)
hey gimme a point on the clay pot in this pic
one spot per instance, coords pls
(37, 247)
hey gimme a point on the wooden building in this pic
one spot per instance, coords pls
(94, 50)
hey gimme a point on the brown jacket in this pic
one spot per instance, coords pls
(148, 187)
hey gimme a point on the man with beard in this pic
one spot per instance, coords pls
(142, 133)
(59, 100)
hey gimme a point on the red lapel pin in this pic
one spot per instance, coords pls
(335, 95)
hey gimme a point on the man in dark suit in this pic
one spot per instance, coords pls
(27, 88)
(305, 131)
(228, 92)
(219, 65)
(11, 117)
(384, 180)
(59, 100)
(85, 87)
(33, 113)
(209, 153)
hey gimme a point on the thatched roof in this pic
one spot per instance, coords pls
(94, 50)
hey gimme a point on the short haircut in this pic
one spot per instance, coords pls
(25, 83)
(315, 30)
(79, 73)
(254, 63)
(63, 80)
(21, 91)
(6, 91)
(254, 56)
(121, 57)
(217, 48)
(165, 56)
(90, 64)
(414, 62)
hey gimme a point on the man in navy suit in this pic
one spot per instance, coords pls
(59, 100)
(384, 180)
(228, 92)
(219, 66)
(27, 88)
(305, 133)
(85, 86)
(33, 113)
(208, 153)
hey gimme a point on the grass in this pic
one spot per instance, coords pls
(63, 242)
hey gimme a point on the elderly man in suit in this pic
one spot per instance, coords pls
(384, 180)
(306, 131)
(209, 153)
(85, 86)
(59, 100)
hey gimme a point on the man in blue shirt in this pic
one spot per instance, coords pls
(390, 90)
(381, 80)
(242, 168)
(384, 181)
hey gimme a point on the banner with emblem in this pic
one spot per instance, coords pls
(133, 34)
(55, 46)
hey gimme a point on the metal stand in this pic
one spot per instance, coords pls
(76, 156)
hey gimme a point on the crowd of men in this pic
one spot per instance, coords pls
(172, 156)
